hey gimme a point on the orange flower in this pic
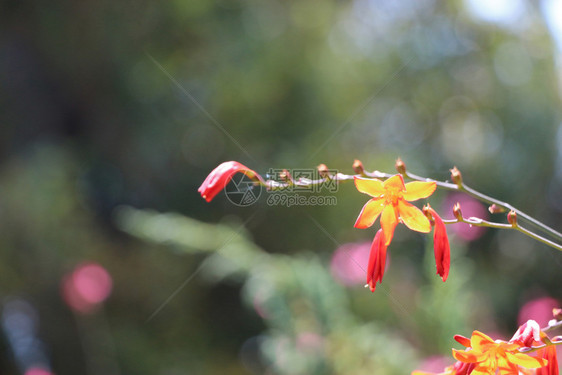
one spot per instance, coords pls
(390, 200)
(528, 335)
(441, 246)
(490, 355)
(221, 176)
(377, 261)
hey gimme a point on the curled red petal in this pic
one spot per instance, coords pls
(221, 176)
(464, 341)
(377, 261)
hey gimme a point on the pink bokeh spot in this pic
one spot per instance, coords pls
(349, 263)
(309, 342)
(435, 364)
(539, 309)
(86, 287)
(37, 371)
(469, 207)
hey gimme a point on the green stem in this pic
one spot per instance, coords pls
(489, 200)
(477, 222)
(272, 185)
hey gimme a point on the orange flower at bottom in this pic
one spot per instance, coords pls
(490, 355)
(548, 353)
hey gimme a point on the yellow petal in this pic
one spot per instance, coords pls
(507, 368)
(479, 340)
(395, 182)
(389, 221)
(371, 210)
(418, 190)
(413, 217)
(370, 186)
(525, 360)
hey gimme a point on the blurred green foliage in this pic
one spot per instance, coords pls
(126, 104)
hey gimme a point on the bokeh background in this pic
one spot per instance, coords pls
(112, 113)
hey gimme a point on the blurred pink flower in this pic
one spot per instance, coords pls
(309, 342)
(86, 287)
(539, 309)
(470, 207)
(434, 364)
(349, 263)
(37, 371)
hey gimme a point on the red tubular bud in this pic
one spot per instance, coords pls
(377, 261)
(441, 246)
(219, 177)
(358, 167)
(457, 211)
(512, 218)
(400, 166)
(456, 176)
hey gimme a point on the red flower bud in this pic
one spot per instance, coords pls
(548, 353)
(527, 334)
(358, 167)
(441, 246)
(512, 218)
(495, 209)
(400, 166)
(456, 176)
(285, 176)
(323, 170)
(377, 261)
(221, 176)
(457, 211)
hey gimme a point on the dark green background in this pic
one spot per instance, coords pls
(132, 103)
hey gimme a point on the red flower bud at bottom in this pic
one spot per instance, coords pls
(377, 261)
(221, 176)
(548, 353)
